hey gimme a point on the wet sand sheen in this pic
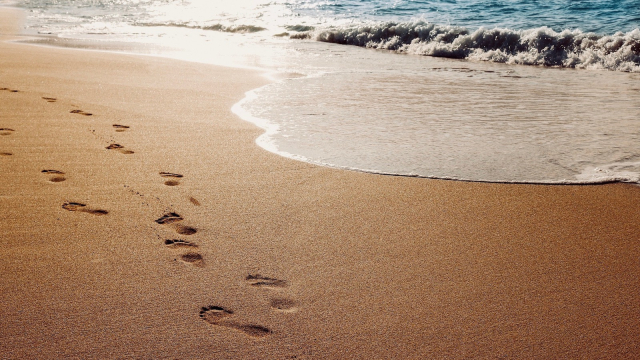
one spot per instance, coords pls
(280, 259)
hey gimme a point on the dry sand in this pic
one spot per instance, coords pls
(289, 260)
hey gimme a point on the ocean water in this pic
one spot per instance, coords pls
(480, 90)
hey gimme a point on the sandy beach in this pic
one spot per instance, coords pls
(141, 220)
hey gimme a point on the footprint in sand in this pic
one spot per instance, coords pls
(267, 282)
(219, 316)
(80, 112)
(4, 153)
(284, 305)
(6, 131)
(194, 201)
(120, 148)
(172, 177)
(74, 206)
(192, 258)
(178, 243)
(57, 175)
(49, 99)
(9, 90)
(173, 218)
(120, 128)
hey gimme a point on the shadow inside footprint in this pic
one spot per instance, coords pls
(263, 281)
(58, 175)
(74, 206)
(219, 316)
(6, 131)
(49, 99)
(77, 111)
(169, 218)
(120, 128)
(177, 243)
(4, 153)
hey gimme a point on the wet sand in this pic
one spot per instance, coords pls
(140, 220)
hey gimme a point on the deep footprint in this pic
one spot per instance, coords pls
(6, 131)
(80, 112)
(216, 315)
(120, 128)
(120, 148)
(177, 243)
(169, 218)
(58, 175)
(74, 206)
(263, 281)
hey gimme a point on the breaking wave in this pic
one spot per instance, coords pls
(242, 29)
(540, 46)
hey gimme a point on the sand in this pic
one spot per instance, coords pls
(186, 240)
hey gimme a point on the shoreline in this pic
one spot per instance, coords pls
(193, 242)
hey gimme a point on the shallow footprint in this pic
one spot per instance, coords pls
(74, 206)
(120, 128)
(194, 201)
(6, 131)
(49, 99)
(172, 181)
(77, 111)
(57, 175)
(192, 258)
(284, 305)
(120, 148)
(219, 316)
(185, 230)
(4, 153)
(263, 281)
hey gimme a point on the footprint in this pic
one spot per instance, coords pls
(219, 316)
(177, 243)
(194, 201)
(49, 99)
(120, 148)
(263, 281)
(120, 128)
(172, 217)
(173, 176)
(185, 230)
(9, 90)
(57, 175)
(6, 131)
(74, 206)
(284, 305)
(192, 258)
(4, 153)
(169, 218)
(77, 111)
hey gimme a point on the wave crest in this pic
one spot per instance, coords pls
(540, 46)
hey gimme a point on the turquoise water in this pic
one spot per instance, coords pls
(501, 91)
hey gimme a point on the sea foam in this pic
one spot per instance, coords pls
(539, 46)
